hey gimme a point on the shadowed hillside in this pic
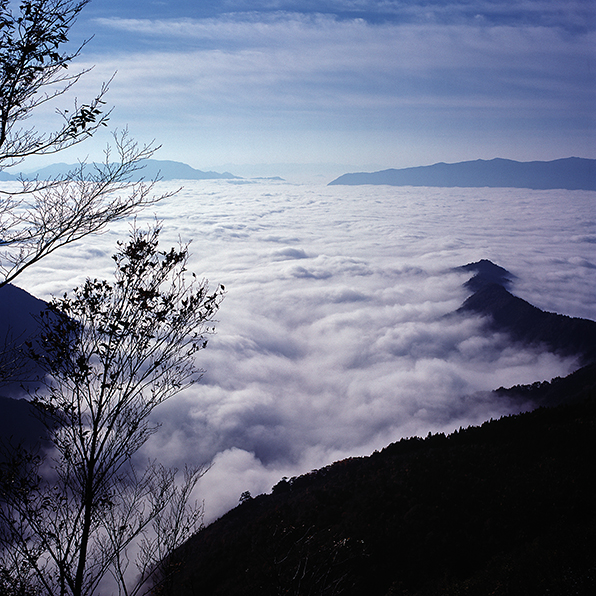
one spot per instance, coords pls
(19, 423)
(524, 322)
(505, 508)
(18, 310)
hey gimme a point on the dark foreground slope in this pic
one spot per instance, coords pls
(572, 173)
(505, 508)
(18, 313)
(19, 423)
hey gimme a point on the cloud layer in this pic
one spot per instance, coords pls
(333, 339)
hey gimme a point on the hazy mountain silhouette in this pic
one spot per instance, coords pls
(152, 169)
(18, 311)
(19, 423)
(572, 173)
(486, 273)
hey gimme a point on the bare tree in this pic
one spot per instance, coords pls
(71, 512)
(113, 352)
(34, 69)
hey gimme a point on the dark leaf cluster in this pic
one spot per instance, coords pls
(32, 59)
(45, 215)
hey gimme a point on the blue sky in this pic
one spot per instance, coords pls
(361, 83)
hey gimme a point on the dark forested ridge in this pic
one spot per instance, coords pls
(572, 173)
(525, 323)
(505, 508)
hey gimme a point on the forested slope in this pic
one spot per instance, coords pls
(505, 508)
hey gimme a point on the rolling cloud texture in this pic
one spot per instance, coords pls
(333, 339)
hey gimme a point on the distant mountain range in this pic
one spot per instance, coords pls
(572, 173)
(151, 169)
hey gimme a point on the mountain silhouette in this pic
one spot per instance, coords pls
(486, 272)
(150, 169)
(572, 173)
(19, 423)
(525, 323)
(18, 313)
(507, 508)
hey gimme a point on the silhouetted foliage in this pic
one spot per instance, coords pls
(43, 216)
(32, 61)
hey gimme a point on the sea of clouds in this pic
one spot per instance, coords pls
(333, 339)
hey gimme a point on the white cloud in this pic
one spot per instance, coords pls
(352, 350)
(349, 57)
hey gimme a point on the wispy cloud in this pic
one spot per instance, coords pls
(573, 14)
(275, 74)
(389, 83)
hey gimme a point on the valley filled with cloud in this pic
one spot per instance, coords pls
(337, 336)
